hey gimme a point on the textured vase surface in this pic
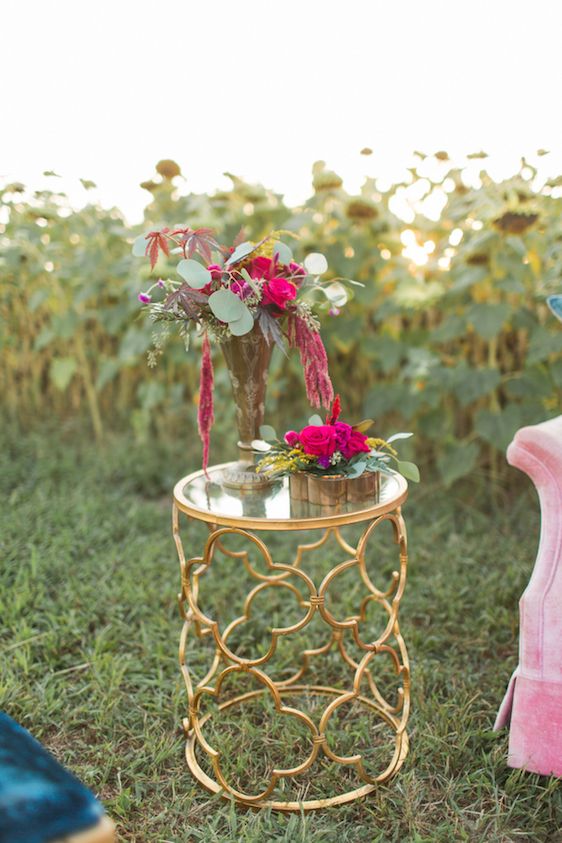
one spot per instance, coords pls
(247, 359)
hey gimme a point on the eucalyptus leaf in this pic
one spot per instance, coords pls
(249, 280)
(315, 263)
(336, 293)
(243, 325)
(196, 275)
(139, 246)
(357, 469)
(261, 446)
(399, 436)
(409, 470)
(226, 306)
(240, 252)
(316, 420)
(284, 252)
(267, 432)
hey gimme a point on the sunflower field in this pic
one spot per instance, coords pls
(449, 336)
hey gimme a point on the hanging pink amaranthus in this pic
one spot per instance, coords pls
(205, 415)
(319, 389)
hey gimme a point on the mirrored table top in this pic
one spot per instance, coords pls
(271, 508)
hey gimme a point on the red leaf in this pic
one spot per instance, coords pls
(199, 240)
(156, 240)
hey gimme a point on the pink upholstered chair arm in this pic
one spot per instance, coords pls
(537, 451)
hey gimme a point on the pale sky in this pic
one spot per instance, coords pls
(104, 90)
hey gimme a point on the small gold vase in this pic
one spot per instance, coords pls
(327, 491)
(334, 489)
(247, 359)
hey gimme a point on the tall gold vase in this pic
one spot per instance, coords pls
(247, 359)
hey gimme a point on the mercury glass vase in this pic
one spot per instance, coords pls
(247, 359)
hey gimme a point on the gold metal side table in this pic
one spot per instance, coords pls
(227, 513)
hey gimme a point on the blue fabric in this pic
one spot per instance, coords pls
(39, 799)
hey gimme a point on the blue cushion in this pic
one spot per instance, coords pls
(39, 799)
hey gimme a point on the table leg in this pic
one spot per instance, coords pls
(362, 689)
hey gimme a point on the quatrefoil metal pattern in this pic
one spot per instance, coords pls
(360, 684)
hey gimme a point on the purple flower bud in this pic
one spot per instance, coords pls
(335, 311)
(160, 283)
(241, 289)
(145, 298)
(292, 438)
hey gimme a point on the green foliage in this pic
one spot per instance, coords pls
(450, 333)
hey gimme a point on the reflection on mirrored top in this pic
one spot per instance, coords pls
(208, 499)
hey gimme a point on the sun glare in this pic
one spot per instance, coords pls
(455, 237)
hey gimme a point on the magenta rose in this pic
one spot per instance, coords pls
(278, 291)
(343, 432)
(262, 267)
(356, 444)
(318, 440)
(292, 438)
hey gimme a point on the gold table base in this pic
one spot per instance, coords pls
(309, 804)
(362, 688)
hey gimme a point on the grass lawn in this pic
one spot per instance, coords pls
(89, 634)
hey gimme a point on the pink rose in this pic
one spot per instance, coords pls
(292, 438)
(318, 440)
(278, 291)
(343, 433)
(356, 444)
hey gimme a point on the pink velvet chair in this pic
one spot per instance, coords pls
(533, 701)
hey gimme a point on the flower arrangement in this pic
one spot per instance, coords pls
(233, 291)
(332, 448)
